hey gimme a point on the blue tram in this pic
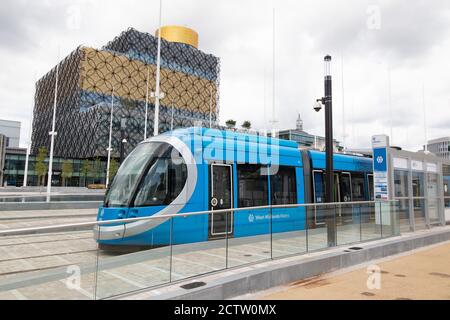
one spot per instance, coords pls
(198, 169)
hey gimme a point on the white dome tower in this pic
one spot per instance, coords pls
(299, 123)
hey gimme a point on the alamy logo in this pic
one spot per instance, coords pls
(380, 159)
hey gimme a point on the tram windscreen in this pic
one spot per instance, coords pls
(129, 173)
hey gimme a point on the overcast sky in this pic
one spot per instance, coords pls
(366, 38)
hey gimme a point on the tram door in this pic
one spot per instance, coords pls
(221, 197)
(345, 187)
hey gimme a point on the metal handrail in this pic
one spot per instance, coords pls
(45, 202)
(178, 215)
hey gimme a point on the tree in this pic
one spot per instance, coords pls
(97, 169)
(231, 124)
(41, 167)
(85, 169)
(113, 168)
(246, 125)
(67, 171)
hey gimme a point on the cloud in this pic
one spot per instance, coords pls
(412, 40)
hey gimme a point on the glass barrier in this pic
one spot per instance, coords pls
(371, 222)
(48, 266)
(402, 209)
(196, 250)
(289, 229)
(250, 240)
(142, 254)
(420, 221)
(348, 223)
(433, 211)
(316, 224)
(139, 262)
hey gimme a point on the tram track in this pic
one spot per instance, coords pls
(41, 242)
(47, 255)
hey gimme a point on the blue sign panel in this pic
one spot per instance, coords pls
(379, 160)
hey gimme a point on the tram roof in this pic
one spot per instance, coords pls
(341, 162)
(231, 135)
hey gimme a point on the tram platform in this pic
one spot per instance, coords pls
(68, 265)
(249, 279)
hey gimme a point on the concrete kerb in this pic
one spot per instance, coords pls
(241, 281)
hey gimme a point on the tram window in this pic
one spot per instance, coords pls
(358, 187)
(371, 187)
(319, 187)
(283, 186)
(345, 187)
(163, 182)
(252, 186)
(129, 173)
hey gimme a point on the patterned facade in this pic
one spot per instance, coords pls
(122, 74)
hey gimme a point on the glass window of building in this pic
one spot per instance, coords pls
(252, 186)
(418, 184)
(283, 186)
(400, 183)
(432, 181)
(447, 191)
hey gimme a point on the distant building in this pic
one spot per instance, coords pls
(2, 156)
(306, 140)
(440, 147)
(11, 130)
(84, 172)
(122, 73)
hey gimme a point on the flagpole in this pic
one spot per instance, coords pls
(343, 102)
(171, 120)
(146, 104)
(210, 107)
(390, 105)
(27, 157)
(110, 138)
(424, 118)
(52, 134)
(158, 71)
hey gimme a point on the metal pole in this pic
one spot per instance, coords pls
(273, 70)
(390, 105)
(110, 137)
(52, 134)
(424, 119)
(171, 120)
(158, 71)
(146, 104)
(210, 107)
(343, 103)
(27, 158)
(331, 218)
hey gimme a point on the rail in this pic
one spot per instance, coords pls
(184, 215)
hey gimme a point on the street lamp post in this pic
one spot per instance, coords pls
(158, 76)
(123, 126)
(110, 138)
(52, 134)
(329, 183)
